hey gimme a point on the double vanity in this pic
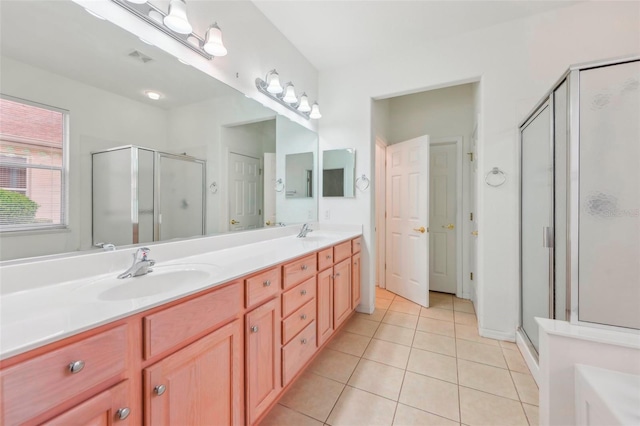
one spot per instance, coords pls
(210, 338)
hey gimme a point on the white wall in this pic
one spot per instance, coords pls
(516, 62)
(98, 120)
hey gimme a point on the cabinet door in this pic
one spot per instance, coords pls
(262, 358)
(111, 407)
(200, 384)
(341, 292)
(355, 280)
(324, 296)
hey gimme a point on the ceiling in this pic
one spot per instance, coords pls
(332, 34)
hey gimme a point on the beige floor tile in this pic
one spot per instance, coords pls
(436, 313)
(383, 303)
(361, 326)
(404, 306)
(384, 294)
(435, 343)
(479, 408)
(356, 407)
(430, 325)
(409, 416)
(395, 334)
(400, 319)
(353, 344)
(463, 305)
(478, 352)
(508, 345)
(532, 414)
(486, 378)
(377, 378)
(465, 318)
(283, 416)
(441, 303)
(526, 387)
(377, 315)
(515, 361)
(432, 395)
(470, 332)
(439, 295)
(334, 365)
(313, 396)
(435, 365)
(388, 353)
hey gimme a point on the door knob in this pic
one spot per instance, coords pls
(474, 233)
(268, 223)
(234, 222)
(449, 226)
(421, 230)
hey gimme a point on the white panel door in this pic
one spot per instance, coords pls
(407, 245)
(245, 192)
(443, 205)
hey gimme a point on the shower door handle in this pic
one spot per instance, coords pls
(547, 237)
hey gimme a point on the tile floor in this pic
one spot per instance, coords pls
(407, 365)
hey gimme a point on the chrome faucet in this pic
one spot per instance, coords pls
(141, 264)
(305, 230)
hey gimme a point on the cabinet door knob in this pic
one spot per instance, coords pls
(304, 267)
(337, 275)
(254, 329)
(328, 256)
(303, 341)
(123, 413)
(267, 283)
(303, 292)
(159, 390)
(76, 366)
(355, 263)
(303, 317)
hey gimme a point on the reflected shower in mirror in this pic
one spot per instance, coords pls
(105, 91)
(299, 175)
(338, 173)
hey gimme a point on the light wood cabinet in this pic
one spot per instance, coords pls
(341, 292)
(356, 289)
(262, 358)
(324, 314)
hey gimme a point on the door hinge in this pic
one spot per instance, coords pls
(259, 212)
(470, 154)
(471, 216)
(471, 276)
(385, 215)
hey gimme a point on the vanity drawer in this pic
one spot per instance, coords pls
(297, 352)
(39, 384)
(325, 259)
(294, 298)
(341, 251)
(356, 245)
(298, 320)
(298, 271)
(262, 287)
(173, 326)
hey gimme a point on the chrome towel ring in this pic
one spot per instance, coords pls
(495, 177)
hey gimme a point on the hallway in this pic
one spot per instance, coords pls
(407, 365)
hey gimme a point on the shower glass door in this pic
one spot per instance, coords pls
(536, 220)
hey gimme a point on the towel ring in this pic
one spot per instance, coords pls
(279, 186)
(495, 177)
(213, 188)
(362, 183)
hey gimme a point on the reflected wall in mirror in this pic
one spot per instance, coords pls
(99, 73)
(338, 173)
(299, 175)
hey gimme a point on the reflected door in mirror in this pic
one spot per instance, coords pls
(245, 192)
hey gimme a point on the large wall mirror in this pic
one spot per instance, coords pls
(99, 73)
(339, 173)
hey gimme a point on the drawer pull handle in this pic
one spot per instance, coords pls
(159, 390)
(304, 267)
(76, 367)
(355, 263)
(303, 317)
(337, 275)
(267, 283)
(123, 413)
(303, 341)
(303, 292)
(254, 329)
(328, 256)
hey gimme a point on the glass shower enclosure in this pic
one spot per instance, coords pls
(142, 195)
(580, 201)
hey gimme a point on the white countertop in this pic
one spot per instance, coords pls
(41, 314)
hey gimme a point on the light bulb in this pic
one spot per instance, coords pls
(304, 103)
(153, 95)
(290, 94)
(315, 111)
(177, 20)
(213, 41)
(273, 83)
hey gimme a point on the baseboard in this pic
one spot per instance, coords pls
(498, 335)
(529, 357)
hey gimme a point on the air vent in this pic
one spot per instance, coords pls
(139, 56)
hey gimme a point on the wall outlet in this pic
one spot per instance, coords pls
(327, 214)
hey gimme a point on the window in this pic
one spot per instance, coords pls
(32, 165)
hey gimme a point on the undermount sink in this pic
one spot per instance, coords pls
(162, 279)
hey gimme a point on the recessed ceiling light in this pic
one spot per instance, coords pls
(153, 95)
(92, 13)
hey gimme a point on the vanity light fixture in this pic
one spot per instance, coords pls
(153, 95)
(286, 96)
(176, 25)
